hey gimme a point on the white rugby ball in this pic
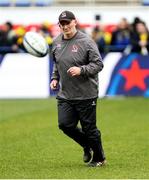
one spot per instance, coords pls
(35, 44)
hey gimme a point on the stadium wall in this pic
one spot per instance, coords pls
(25, 76)
(84, 14)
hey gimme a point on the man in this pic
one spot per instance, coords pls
(76, 67)
(8, 39)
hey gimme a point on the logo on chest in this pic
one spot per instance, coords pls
(58, 46)
(74, 48)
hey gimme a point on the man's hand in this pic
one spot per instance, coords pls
(54, 84)
(74, 71)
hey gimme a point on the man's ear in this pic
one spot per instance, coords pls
(76, 22)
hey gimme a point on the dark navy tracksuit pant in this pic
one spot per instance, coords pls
(70, 112)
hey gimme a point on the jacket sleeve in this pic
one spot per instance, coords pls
(95, 63)
(55, 74)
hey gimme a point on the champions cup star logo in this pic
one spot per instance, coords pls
(135, 76)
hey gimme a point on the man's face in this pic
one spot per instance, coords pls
(68, 27)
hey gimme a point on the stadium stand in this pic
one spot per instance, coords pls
(71, 2)
(43, 2)
(23, 3)
(145, 2)
(97, 2)
(109, 37)
(5, 3)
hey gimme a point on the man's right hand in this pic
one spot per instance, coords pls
(54, 84)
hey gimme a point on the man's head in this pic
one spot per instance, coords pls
(67, 23)
(66, 16)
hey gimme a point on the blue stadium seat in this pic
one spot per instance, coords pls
(23, 3)
(145, 2)
(43, 2)
(5, 3)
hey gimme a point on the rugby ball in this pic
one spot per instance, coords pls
(35, 44)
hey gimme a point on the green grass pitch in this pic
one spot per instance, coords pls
(32, 146)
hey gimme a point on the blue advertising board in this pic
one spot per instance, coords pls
(128, 77)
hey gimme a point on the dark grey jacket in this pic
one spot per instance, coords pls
(80, 51)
